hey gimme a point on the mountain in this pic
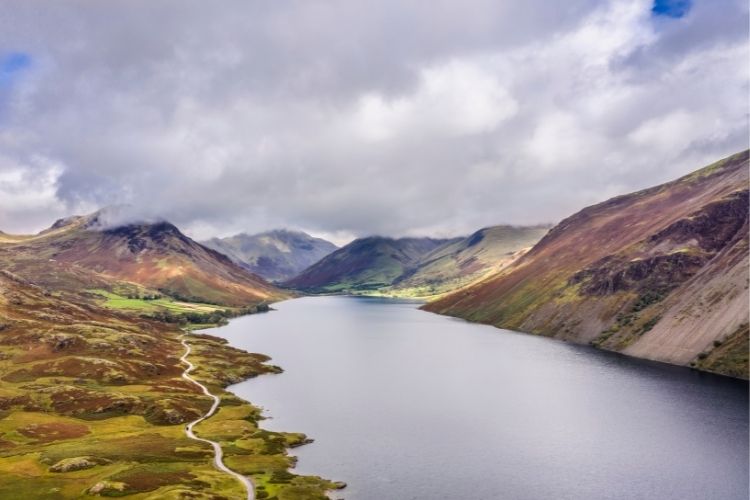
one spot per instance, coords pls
(86, 251)
(660, 274)
(274, 255)
(365, 264)
(416, 267)
(461, 262)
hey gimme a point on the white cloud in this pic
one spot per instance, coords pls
(28, 192)
(559, 143)
(352, 118)
(28, 187)
(673, 132)
(455, 98)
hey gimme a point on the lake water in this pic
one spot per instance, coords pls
(405, 404)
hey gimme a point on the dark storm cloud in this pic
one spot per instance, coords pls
(349, 118)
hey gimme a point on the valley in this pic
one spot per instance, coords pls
(103, 363)
(416, 267)
(364, 265)
(455, 250)
(660, 274)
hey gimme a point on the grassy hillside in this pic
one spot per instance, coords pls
(92, 404)
(453, 266)
(92, 401)
(660, 274)
(366, 264)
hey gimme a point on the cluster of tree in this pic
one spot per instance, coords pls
(217, 317)
(185, 298)
(154, 296)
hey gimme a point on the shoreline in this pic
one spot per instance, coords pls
(315, 483)
(305, 396)
(696, 369)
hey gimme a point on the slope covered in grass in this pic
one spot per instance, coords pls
(92, 404)
(466, 260)
(366, 264)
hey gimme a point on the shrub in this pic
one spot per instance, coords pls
(646, 299)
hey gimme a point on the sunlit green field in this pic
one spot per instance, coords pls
(115, 301)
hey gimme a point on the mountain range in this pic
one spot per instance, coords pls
(415, 267)
(660, 274)
(365, 264)
(274, 255)
(465, 260)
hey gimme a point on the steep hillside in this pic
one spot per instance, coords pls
(274, 255)
(660, 274)
(81, 252)
(452, 266)
(365, 264)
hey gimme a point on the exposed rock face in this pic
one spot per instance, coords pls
(714, 226)
(77, 463)
(660, 274)
(108, 488)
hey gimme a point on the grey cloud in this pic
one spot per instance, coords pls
(364, 117)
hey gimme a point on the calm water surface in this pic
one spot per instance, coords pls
(405, 404)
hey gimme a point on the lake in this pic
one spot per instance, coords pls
(405, 404)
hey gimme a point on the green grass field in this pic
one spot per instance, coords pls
(115, 301)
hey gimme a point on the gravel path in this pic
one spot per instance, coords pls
(218, 454)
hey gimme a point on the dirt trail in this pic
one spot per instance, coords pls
(218, 454)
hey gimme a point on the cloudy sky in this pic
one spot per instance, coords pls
(349, 118)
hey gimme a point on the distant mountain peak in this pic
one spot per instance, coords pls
(284, 231)
(276, 254)
(65, 222)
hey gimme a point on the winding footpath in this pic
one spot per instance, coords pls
(218, 454)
